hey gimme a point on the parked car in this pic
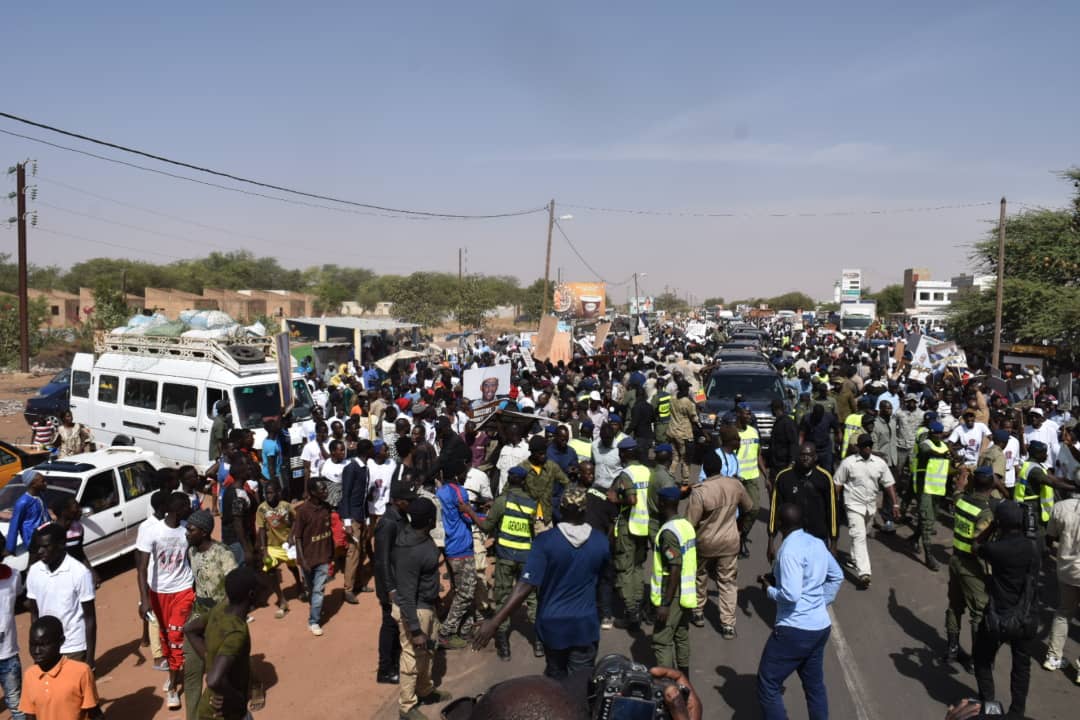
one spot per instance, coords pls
(113, 488)
(15, 459)
(51, 400)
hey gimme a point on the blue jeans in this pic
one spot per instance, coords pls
(315, 580)
(792, 650)
(563, 663)
(11, 680)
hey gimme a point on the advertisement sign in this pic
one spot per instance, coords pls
(850, 285)
(583, 300)
(641, 304)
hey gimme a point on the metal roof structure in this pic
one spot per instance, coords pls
(354, 323)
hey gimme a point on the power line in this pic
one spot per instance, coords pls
(258, 183)
(793, 214)
(149, 211)
(137, 228)
(105, 242)
(584, 262)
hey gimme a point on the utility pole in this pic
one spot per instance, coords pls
(996, 358)
(24, 300)
(461, 288)
(547, 259)
(459, 266)
(637, 308)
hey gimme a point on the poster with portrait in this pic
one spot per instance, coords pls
(485, 385)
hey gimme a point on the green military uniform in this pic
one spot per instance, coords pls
(539, 485)
(511, 521)
(660, 479)
(931, 478)
(662, 404)
(749, 470)
(631, 536)
(967, 577)
(674, 553)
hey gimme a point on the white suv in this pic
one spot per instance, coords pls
(113, 488)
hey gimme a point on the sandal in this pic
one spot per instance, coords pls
(280, 613)
(258, 697)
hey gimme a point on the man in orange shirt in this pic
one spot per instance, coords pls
(56, 687)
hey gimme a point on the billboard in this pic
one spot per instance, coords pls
(641, 304)
(583, 300)
(850, 285)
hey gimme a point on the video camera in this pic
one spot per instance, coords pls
(621, 689)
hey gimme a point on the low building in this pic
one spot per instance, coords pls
(61, 308)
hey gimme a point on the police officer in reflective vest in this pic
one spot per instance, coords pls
(673, 587)
(930, 481)
(974, 510)
(582, 444)
(853, 427)
(751, 465)
(662, 404)
(631, 530)
(511, 520)
(1034, 489)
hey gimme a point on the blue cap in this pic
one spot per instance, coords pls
(728, 418)
(637, 378)
(1036, 446)
(864, 401)
(743, 406)
(517, 471)
(587, 425)
(628, 444)
(930, 415)
(551, 429)
(1001, 435)
(614, 418)
(378, 445)
(670, 492)
(664, 447)
(936, 427)
(984, 470)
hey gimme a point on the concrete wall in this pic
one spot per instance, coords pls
(62, 308)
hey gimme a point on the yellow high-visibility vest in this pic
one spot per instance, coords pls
(936, 474)
(684, 533)
(1021, 493)
(852, 426)
(638, 522)
(749, 447)
(516, 528)
(967, 514)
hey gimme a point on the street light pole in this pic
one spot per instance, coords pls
(637, 307)
(24, 300)
(996, 357)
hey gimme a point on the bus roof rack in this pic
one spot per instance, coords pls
(235, 354)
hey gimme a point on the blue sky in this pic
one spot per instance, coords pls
(482, 107)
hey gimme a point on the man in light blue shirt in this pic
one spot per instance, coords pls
(728, 452)
(805, 581)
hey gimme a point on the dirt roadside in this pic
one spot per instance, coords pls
(332, 676)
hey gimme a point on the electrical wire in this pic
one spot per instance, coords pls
(390, 211)
(839, 213)
(149, 211)
(81, 238)
(148, 231)
(584, 262)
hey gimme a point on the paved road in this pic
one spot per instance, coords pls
(882, 662)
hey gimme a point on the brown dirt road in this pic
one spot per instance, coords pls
(332, 676)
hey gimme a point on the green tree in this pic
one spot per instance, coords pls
(1041, 294)
(670, 303)
(713, 301)
(531, 299)
(791, 301)
(476, 296)
(420, 298)
(9, 327)
(889, 299)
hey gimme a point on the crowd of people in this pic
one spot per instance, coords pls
(597, 496)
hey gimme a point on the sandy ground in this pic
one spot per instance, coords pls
(306, 677)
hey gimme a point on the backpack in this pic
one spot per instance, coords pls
(1019, 622)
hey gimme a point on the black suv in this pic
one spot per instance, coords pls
(758, 384)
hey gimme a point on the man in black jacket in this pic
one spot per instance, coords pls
(454, 456)
(416, 577)
(353, 510)
(386, 533)
(1013, 560)
(784, 445)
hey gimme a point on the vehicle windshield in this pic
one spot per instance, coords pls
(63, 377)
(56, 486)
(254, 403)
(855, 322)
(753, 388)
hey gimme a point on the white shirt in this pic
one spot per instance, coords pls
(1047, 433)
(862, 479)
(1067, 465)
(1012, 460)
(168, 570)
(970, 441)
(510, 456)
(477, 484)
(9, 636)
(312, 455)
(61, 594)
(332, 471)
(379, 481)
